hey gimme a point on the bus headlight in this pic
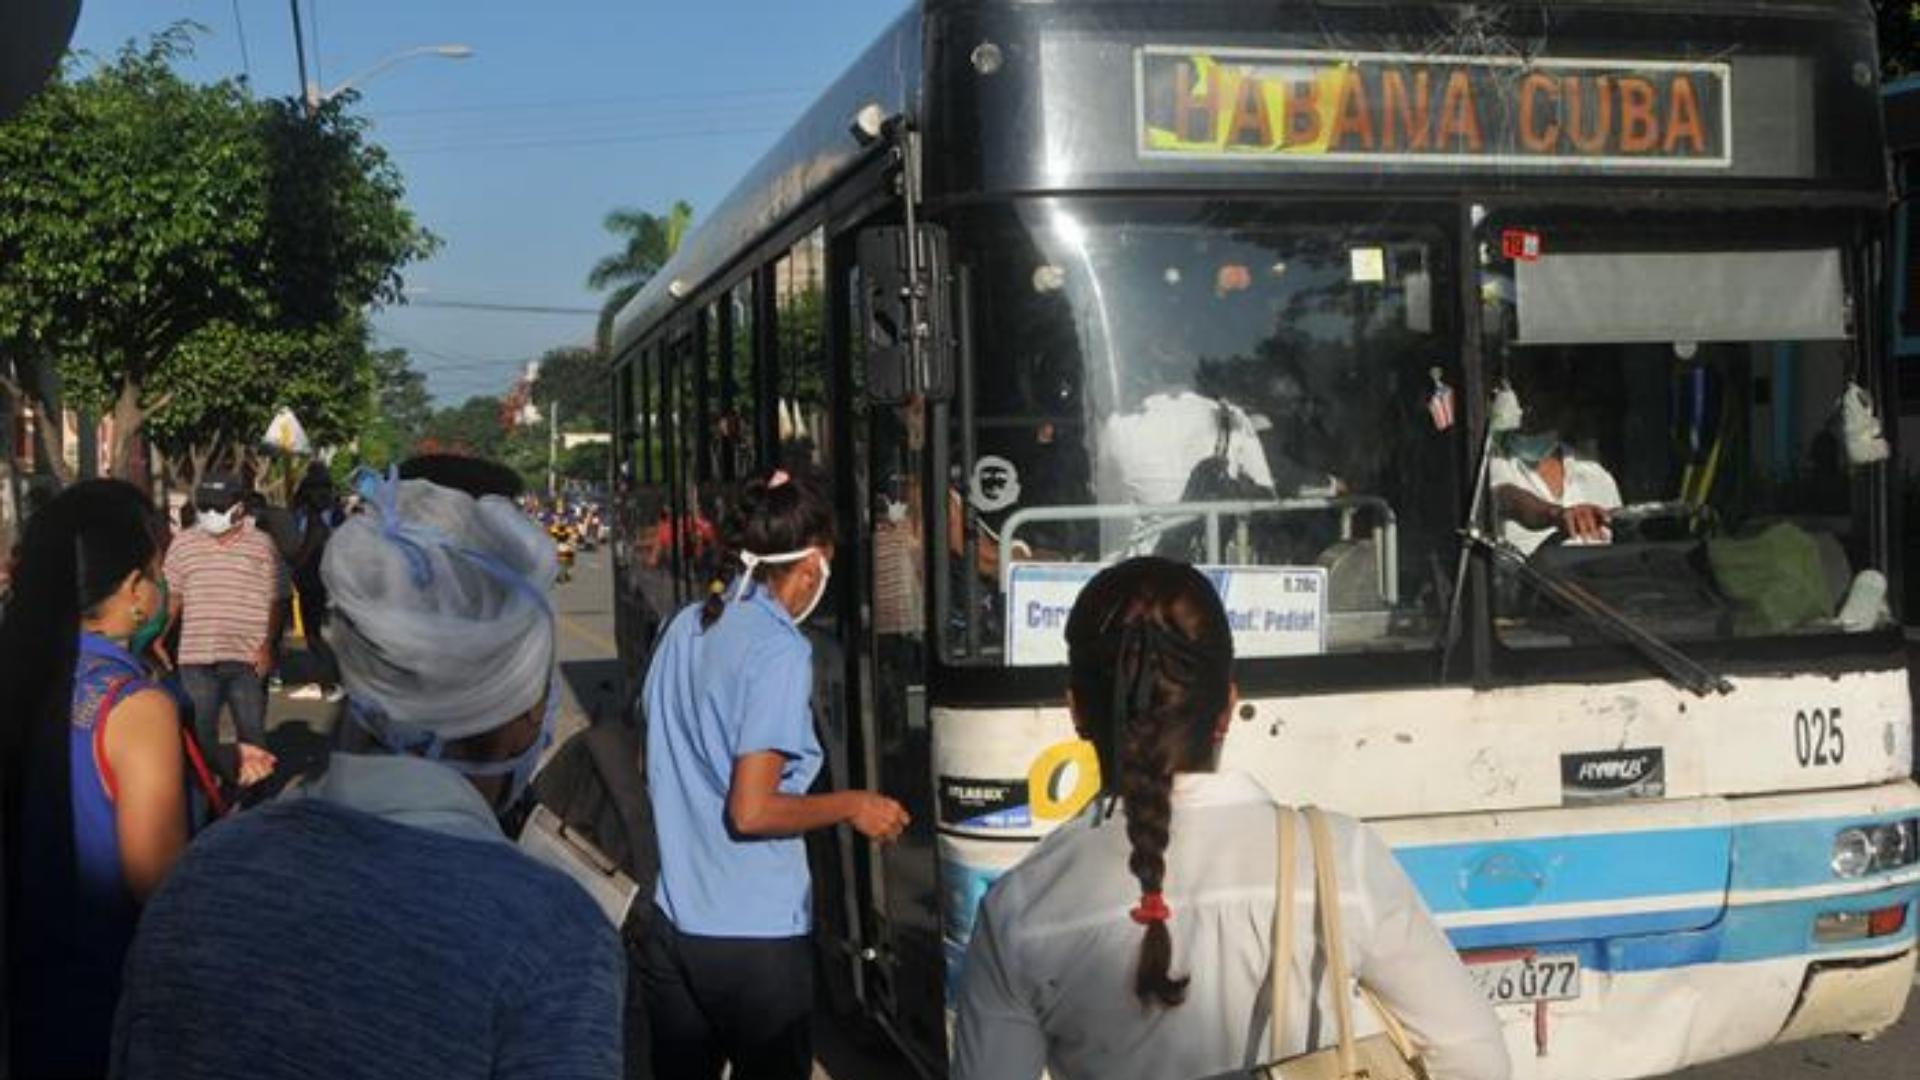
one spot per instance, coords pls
(1893, 845)
(1852, 853)
(1867, 849)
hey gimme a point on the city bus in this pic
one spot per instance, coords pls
(1345, 304)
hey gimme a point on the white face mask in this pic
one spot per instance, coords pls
(753, 561)
(217, 522)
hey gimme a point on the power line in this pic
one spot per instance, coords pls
(571, 103)
(546, 144)
(526, 309)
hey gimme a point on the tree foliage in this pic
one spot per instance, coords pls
(576, 379)
(140, 213)
(649, 241)
(402, 408)
(226, 381)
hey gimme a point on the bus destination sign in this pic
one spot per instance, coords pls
(1383, 108)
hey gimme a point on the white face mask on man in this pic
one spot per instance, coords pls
(218, 522)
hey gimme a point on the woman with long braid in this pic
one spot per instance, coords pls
(1134, 941)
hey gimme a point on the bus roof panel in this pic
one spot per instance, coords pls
(811, 156)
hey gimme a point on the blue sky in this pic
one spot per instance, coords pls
(567, 109)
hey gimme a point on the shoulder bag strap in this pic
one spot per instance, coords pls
(1327, 899)
(101, 766)
(1281, 966)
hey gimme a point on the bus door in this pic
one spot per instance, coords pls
(896, 512)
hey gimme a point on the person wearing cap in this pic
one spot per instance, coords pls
(223, 582)
(375, 922)
(731, 758)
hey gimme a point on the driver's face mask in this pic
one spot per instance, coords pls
(1532, 448)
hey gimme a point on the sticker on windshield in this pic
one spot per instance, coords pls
(996, 484)
(1369, 265)
(1273, 610)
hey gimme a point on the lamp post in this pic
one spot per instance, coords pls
(317, 97)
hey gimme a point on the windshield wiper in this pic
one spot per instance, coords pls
(1682, 670)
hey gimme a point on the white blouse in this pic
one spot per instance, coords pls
(1049, 972)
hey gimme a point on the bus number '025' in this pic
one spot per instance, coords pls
(1817, 738)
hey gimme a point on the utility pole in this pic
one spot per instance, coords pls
(300, 55)
(553, 448)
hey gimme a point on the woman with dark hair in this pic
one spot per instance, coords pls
(731, 755)
(1140, 947)
(96, 806)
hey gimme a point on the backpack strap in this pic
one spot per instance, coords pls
(202, 775)
(101, 766)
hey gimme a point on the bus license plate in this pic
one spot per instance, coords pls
(1528, 980)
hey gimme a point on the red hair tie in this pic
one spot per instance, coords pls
(1152, 909)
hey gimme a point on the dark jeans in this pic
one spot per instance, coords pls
(744, 1001)
(231, 683)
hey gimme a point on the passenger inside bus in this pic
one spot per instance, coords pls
(1275, 370)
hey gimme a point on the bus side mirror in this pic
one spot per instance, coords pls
(903, 315)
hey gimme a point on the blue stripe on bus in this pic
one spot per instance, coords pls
(1626, 866)
(1743, 935)
(1569, 869)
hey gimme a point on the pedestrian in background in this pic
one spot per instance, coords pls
(224, 577)
(315, 514)
(96, 771)
(1135, 940)
(375, 922)
(731, 754)
(277, 523)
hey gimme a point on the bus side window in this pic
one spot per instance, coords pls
(800, 376)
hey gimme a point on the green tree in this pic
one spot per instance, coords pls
(402, 408)
(649, 241)
(226, 381)
(591, 462)
(473, 427)
(576, 379)
(138, 210)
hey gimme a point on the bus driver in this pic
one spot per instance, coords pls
(1541, 486)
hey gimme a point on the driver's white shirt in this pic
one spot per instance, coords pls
(1147, 457)
(1588, 483)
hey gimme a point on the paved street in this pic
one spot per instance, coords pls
(585, 607)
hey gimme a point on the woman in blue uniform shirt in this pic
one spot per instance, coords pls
(731, 753)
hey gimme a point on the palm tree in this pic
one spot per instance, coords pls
(651, 239)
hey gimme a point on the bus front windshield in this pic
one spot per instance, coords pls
(1274, 394)
(1676, 444)
(1259, 390)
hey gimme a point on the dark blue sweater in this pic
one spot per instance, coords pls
(307, 939)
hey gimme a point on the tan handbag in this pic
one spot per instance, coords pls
(1388, 1056)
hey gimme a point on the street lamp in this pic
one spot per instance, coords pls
(316, 97)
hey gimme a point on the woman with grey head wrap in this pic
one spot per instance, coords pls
(443, 629)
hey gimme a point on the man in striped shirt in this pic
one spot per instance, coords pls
(222, 577)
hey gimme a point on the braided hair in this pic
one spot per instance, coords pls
(1151, 658)
(778, 511)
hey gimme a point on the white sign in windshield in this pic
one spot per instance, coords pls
(1274, 610)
